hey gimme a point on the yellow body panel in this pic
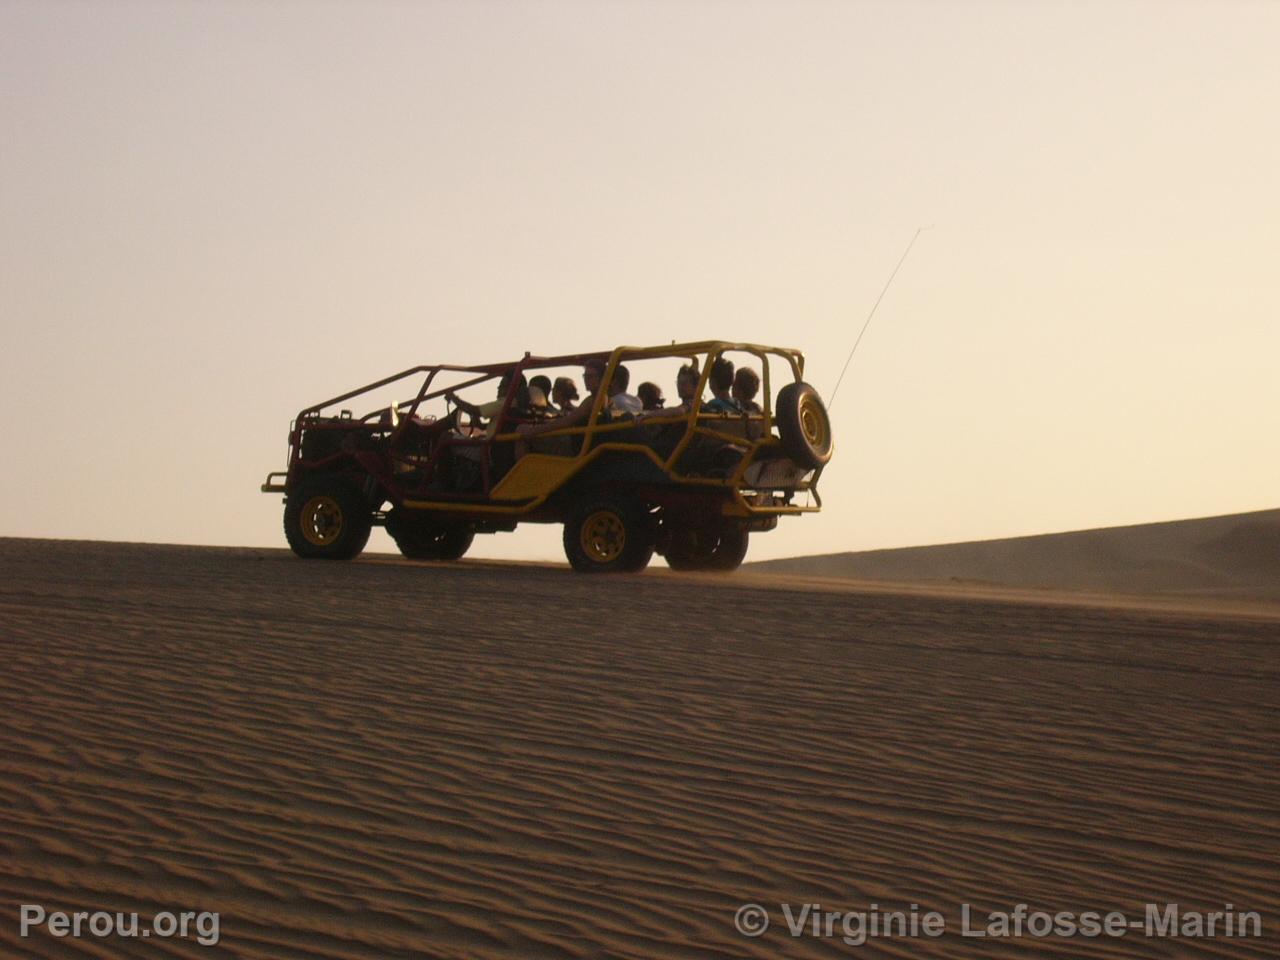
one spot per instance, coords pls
(534, 475)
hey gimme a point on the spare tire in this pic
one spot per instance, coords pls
(804, 425)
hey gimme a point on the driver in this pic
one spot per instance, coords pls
(489, 411)
(467, 477)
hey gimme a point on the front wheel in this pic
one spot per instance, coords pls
(608, 536)
(327, 520)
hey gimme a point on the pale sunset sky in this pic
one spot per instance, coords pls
(213, 214)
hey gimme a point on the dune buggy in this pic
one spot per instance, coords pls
(688, 484)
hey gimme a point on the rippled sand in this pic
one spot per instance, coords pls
(388, 759)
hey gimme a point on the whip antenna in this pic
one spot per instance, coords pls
(866, 323)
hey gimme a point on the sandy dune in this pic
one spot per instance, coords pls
(1228, 557)
(387, 759)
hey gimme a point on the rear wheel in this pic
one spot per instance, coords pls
(720, 549)
(424, 539)
(327, 520)
(608, 536)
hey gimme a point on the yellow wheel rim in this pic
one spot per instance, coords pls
(321, 520)
(813, 423)
(603, 536)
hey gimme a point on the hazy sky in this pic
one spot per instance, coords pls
(212, 214)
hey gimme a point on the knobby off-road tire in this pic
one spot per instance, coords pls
(327, 520)
(804, 425)
(423, 539)
(722, 551)
(609, 536)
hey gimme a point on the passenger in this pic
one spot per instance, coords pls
(687, 383)
(622, 403)
(686, 389)
(721, 384)
(563, 395)
(746, 384)
(592, 373)
(539, 392)
(650, 395)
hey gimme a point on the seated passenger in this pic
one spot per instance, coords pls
(666, 426)
(650, 395)
(592, 373)
(622, 403)
(539, 393)
(721, 384)
(563, 394)
(746, 384)
(687, 386)
(686, 389)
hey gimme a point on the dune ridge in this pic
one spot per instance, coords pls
(1236, 556)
